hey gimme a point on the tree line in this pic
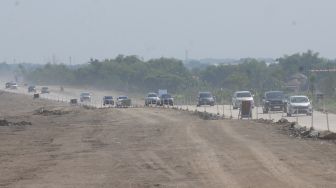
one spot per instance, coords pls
(130, 73)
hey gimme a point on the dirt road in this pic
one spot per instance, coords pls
(319, 120)
(73, 147)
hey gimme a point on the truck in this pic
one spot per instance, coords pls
(162, 92)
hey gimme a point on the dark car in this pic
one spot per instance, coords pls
(108, 100)
(166, 99)
(8, 85)
(31, 89)
(123, 101)
(205, 98)
(11, 85)
(273, 101)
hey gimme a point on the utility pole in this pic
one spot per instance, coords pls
(70, 60)
(186, 56)
(53, 59)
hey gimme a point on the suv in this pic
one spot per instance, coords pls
(108, 100)
(152, 98)
(240, 96)
(273, 101)
(166, 99)
(298, 105)
(85, 97)
(205, 98)
(45, 90)
(8, 85)
(31, 89)
(13, 85)
(123, 101)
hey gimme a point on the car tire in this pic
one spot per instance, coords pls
(289, 115)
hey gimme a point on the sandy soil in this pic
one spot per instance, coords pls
(69, 146)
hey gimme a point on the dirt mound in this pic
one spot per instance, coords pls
(87, 107)
(266, 121)
(5, 123)
(49, 112)
(295, 130)
(327, 135)
(207, 116)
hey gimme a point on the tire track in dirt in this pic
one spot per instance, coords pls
(206, 161)
(268, 160)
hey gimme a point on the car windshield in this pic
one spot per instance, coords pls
(108, 97)
(165, 96)
(152, 95)
(245, 94)
(205, 95)
(274, 95)
(299, 100)
(85, 94)
(123, 97)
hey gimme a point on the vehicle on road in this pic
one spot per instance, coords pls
(273, 101)
(152, 98)
(299, 105)
(240, 96)
(45, 90)
(162, 91)
(166, 99)
(13, 85)
(123, 101)
(8, 85)
(108, 100)
(31, 89)
(85, 97)
(205, 98)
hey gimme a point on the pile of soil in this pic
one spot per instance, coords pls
(207, 116)
(46, 112)
(5, 123)
(295, 130)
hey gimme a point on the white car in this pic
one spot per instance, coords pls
(45, 90)
(240, 96)
(152, 98)
(299, 105)
(13, 86)
(85, 97)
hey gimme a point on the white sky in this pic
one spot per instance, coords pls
(35, 30)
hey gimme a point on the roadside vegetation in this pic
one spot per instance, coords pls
(130, 73)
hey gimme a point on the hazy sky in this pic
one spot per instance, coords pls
(35, 30)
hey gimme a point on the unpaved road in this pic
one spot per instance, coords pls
(73, 147)
(319, 121)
